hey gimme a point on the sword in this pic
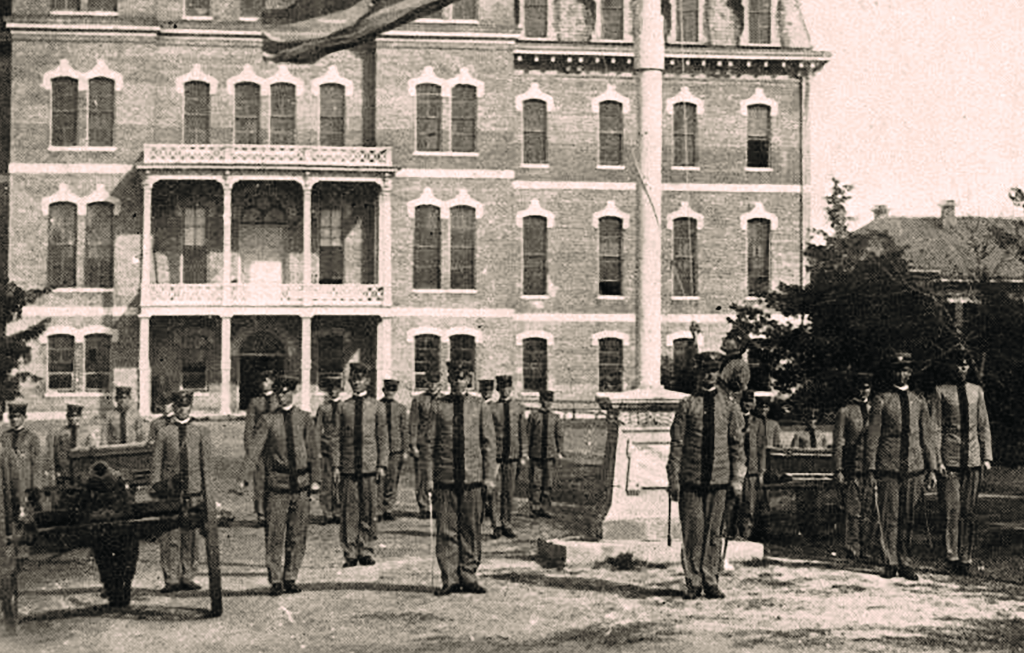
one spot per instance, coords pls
(878, 516)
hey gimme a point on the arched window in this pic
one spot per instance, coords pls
(428, 118)
(197, 112)
(426, 262)
(684, 151)
(247, 113)
(759, 136)
(535, 255)
(609, 365)
(610, 253)
(463, 247)
(101, 112)
(97, 362)
(64, 112)
(535, 131)
(684, 257)
(463, 350)
(62, 245)
(610, 119)
(99, 245)
(282, 114)
(427, 357)
(61, 363)
(332, 115)
(535, 364)
(464, 118)
(759, 233)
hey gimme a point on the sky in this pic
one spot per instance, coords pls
(920, 103)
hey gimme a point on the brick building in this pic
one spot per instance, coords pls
(462, 188)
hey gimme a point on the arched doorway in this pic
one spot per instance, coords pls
(259, 352)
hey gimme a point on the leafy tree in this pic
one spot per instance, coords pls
(14, 348)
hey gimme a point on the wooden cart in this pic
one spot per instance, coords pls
(75, 514)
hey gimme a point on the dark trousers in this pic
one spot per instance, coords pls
(330, 492)
(459, 518)
(259, 489)
(858, 514)
(287, 524)
(541, 472)
(751, 507)
(422, 500)
(700, 513)
(389, 488)
(501, 498)
(958, 491)
(898, 498)
(178, 555)
(358, 515)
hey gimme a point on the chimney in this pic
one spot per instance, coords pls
(948, 214)
(881, 211)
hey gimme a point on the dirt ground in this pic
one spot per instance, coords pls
(800, 597)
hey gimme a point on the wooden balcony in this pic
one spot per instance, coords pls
(250, 295)
(279, 157)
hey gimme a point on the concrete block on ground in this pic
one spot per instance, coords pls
(577, 554)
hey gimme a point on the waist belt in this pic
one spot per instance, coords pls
(283, 469)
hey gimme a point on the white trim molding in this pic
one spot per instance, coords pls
(477, 334)
(758, 211)
(684, 211)
(410, 335)
(609, 94)
(428, 76)
(285, 76)
(195, 75)
(543, 335)
(684, 96)
(463, 199)
(427, 198)
(759, 98)
(248, 75)
(332, 76)
(596, 338)
(535, 209)
(79, 334)
(100, 194)
(534, 93)
(610, 211)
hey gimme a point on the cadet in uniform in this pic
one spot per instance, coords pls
(125, 424)
(167, 404)
(259, 405)
(180, 453)
(289, 444)
(360, 463)
(328, 424)
(486, 389)
(28, 465)
(735, 374)
(706, 460)
(965, 450)
(849, 447)
(459, 453)
(63, 442)
(419, 417)
(760, 431)
(900, 453)
(397, 419)
(544, 430)
(509, 421)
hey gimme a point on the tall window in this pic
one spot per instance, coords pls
(63, 241)
(758, 257)
(428, 118)
(195, 350)
(463, 350)
(99, 245)
(332, 244)
(760, 21)
(535, 18)
(194, 242)
(610, 252)
(332, 115)
(684, 257)
(101, 112)
(464, 118)
(428, 357)
(759, 134)
(247, 113)
(282, 114)
(535, 364)
(61, 364)
(609, 365)
(689, 21)
(535, 131)
(65, 112)
(535, 256)
(684, 132)
(426, 248)
(610, 119)
(197, 7)
(464, 10)
(332, 354)
(197, 112)
(612, 19)
(76, 5)
(97, 362)
(251, 8)
(463, 249)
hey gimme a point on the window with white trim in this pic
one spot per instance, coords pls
(426, 247)
(332, 115)
(609, 365)
(610, 137)
(428, 118)
(684, 134)
(535, 255)
(759, 136)
(535, 18)
(99, 245)
(197, 8)
(535, 364)
(101, 112)
(282, 114)
(688, 18)
(247, 113)
(759, 233)
(759, 22)
(60, 351)
(610, 256)
(64, 112)
(535, 132)
(197, 112)
(62, 245)
(84, 5)
(97, 362)
(427, 357)
(684, 257)
(463, 248)
(462, 349)
(613, 19)
(464, 111)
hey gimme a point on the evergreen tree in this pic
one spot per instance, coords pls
(14, 348)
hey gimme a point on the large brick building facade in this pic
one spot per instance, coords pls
(462, 188)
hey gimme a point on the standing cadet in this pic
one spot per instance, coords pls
(706, 460)
(259, 405)
(328, 424)
(735, 374)
(397, 420)
(760, 431)
(965, 450)
(900, 452)
(289, 444)
(180, 453)
(509, 421)
(460, 459)
(544, 430)
(125, 424)
(166, 400)
(419, 419)
(486, 389)
(849, 447)
(360, 463)
(63, 442)
(27, 458)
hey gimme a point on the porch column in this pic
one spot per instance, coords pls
(145, 373)
(384, 238)
(384, 362)
(146, 277)
(225, 365)
(226, 266)
(307, 235)
(306, 362)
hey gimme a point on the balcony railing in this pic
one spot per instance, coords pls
(238, 295)
(281, 156)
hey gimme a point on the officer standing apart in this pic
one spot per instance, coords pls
(965, 451)
(328, 425)
(420, 414)
(290, 447)
(509, 420)
(28, 465)
(460, 458)
(180, 453)
(397, 420)
(360, 464)
(760, 431)
(125, 424)
(849, 447)
(706, 460)
(901, 460)
(544, 430)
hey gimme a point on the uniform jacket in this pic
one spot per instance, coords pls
(328, 423)
(166, 463)
(27, 461)
(945, 409)
(480, 465)
(850, 438)
(541, 445)
(883, 444)
(135, 428)
(686, 461)
(517, 419)
(419, 418)
(398, 435)
(372, 452)
(760, 434)
(270, 440)
(258, 406)
(154, 426)
(61, 444)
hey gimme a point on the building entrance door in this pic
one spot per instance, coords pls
(260, 351)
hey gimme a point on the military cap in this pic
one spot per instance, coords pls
(433, 376)
(710, 360)
(503, 381)
(165, 398)
(547, 395)
(863, 379)
(183, 398)
(74, 410)
(486, 384)
(959, 356)
(358, 370)
(901, 360)
(17, 409)
(459, 369)
(332, 381)
(390, 384)
(285, 384)
(748, 395)
(267, 374)
(123, 392)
